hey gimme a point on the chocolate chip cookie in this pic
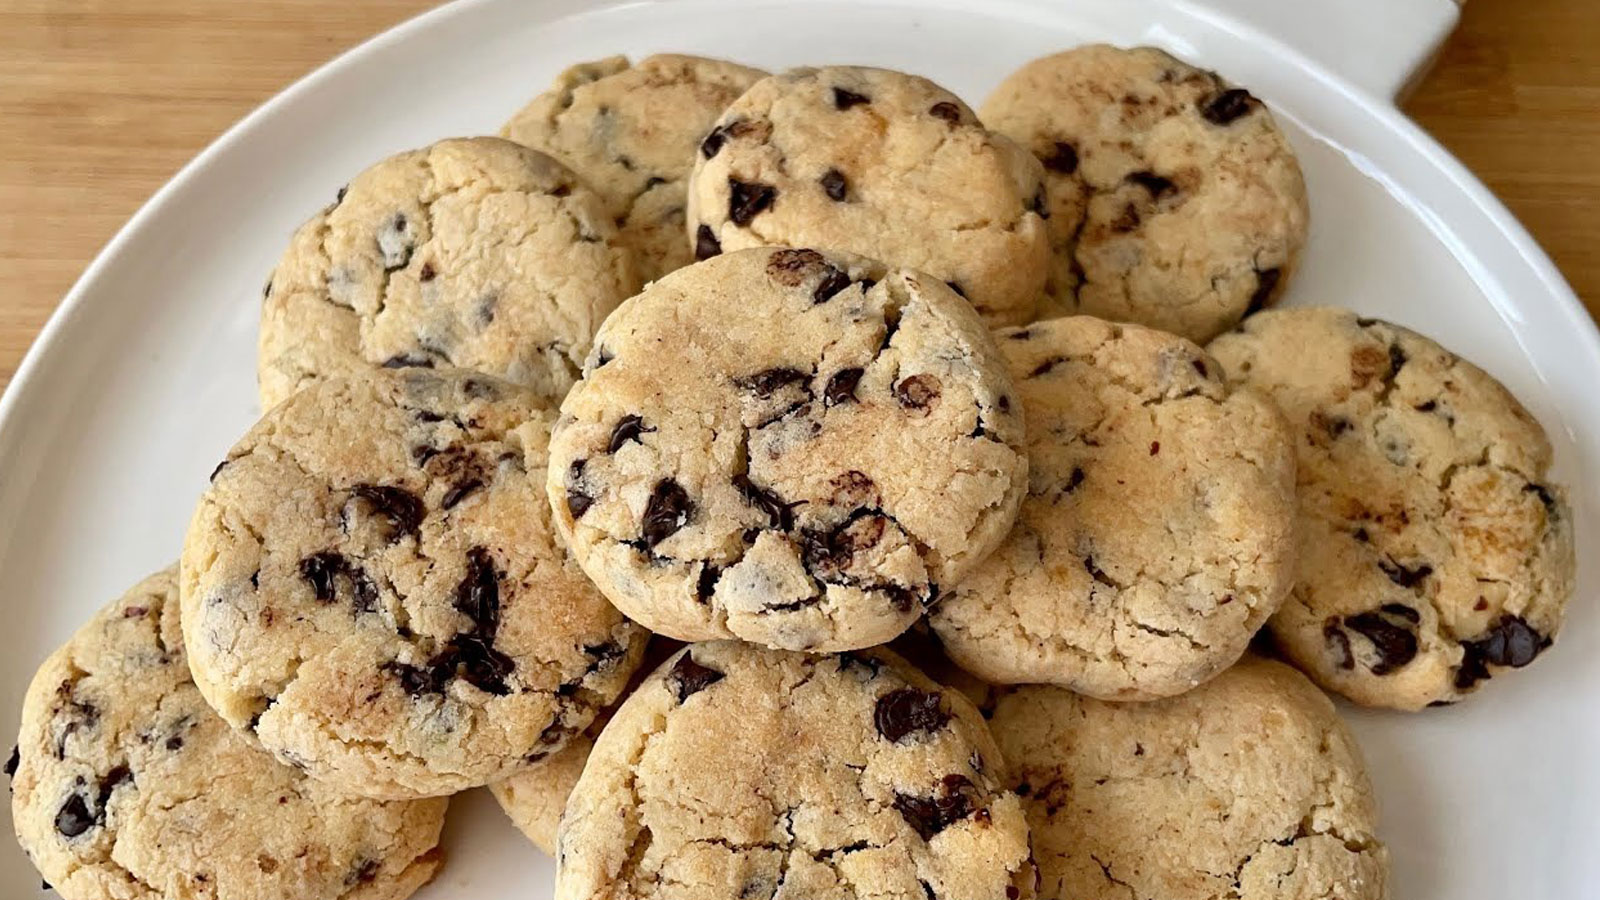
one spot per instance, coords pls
(126, 785)
(1246, 788)
(631, 132)
(477, 253)
(1158, 531)
(736, 771)
(1434, 552)
(372, 586)
(880, 163)
(791, 448)
(1174, 199)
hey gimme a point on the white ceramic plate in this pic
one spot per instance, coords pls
(146, 374)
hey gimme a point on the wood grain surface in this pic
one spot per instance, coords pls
(102, 100)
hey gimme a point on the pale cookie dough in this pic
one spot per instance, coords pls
(1434, 553)
(126, 786)
(631, 132)
(1247, 788)
(1174, 199)
(477, 253)
(736, 771)
(373, 587)
(880, 163)
(1158, 531)
(793, 449)
(535, 798)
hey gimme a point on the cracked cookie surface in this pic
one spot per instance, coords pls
(736, 771)
(1247, 788)
(880, 163)
(126, 785)
(1434, 552)
(631, 132)
(1174, 200)
(372, 586)
(789, 448)
(1157, 534)
(475, 253)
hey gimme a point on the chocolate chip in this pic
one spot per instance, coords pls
(1063, 158)
(475, 661)
(832, 283)
(1155, 184)
(901, 712)
(74, 818)
(578, 502)
(174, 743)
(746, 200)
(459, 492)
(366, 592)
(401, 510)
(668, 510)
(1397, 359)
(780, 514)
(1396, 645)
(1227, 106)
(1003, 403)
(842, 387)
(712, 145)
(947, 111)
(1073, 480)
(834, 184)
(917, 392)
(418, 681)
(1404, 576)
(320, 570)
(930, 815)
(478, 594)
(628, 428)
(395, 242)
(1511, 641)
(14, 761)
(689, 677)
(1155, 447)
(706, 244)
(843, 99)
(706, 584)
(769, 381)
(364, 872)
(1400, 610)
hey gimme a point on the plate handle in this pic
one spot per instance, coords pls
(1382, 47)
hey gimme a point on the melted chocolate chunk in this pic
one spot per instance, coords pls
(1266, 283)
(1396, 645)
(833, 281)
(417, 681)
(907, 710)
(74, 817)
(628, 428)
(843, 99)
(947, 111)
(917, 392)
(1339, 643)
(578, 502)
(1227, 106)
(1510, 642)
(781, 514)
(475, 661)
(748, 200)
(321, 571)
(478, 594)
(668, 510)
(401, 510)
(689, 677)
(842, 387)
(1063, 158)
(706, 244)
(834, 184)
(769, 381)
(706, 584)
(1404, 576)
(1155, 184)
(930, 815)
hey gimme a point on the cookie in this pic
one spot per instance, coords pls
(880, 163)
(126, 785)
(1246, 788)
(1174, 199)
(1434, 552)
(373, 588)
(534, 798)
(789, 448)
(631, 132)
(1158, 531)
(476, 253)
(736, 771)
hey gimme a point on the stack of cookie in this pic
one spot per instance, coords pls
(898, 374)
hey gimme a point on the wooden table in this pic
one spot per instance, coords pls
(102, 100)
